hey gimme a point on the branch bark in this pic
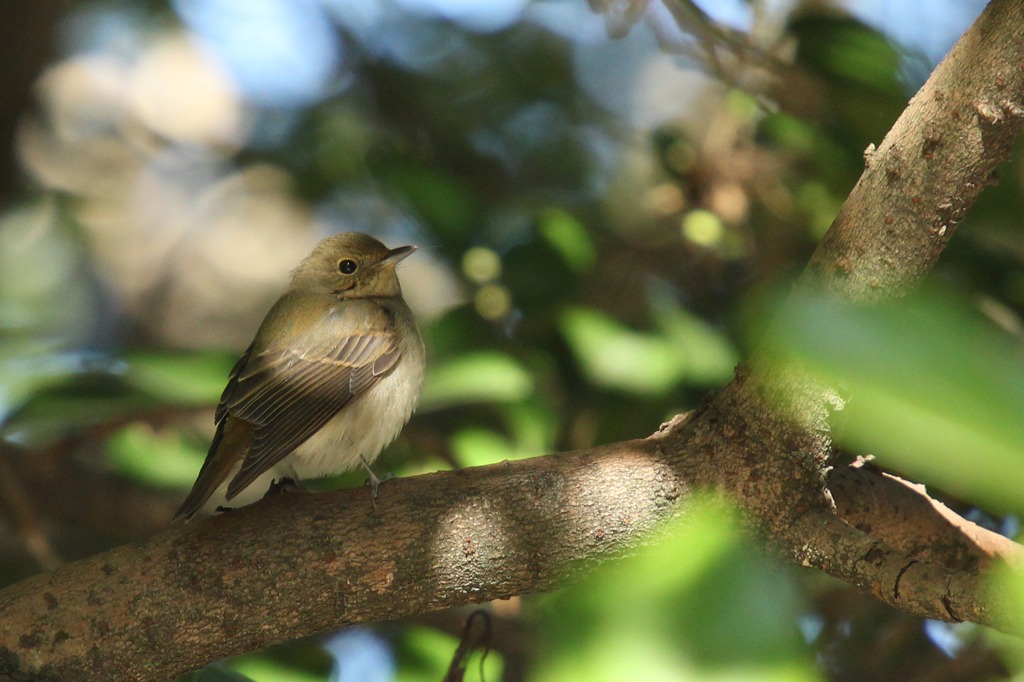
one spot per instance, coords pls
(924, 176)
(301, 564)
(304, 563)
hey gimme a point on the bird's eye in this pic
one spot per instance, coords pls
(347, 267)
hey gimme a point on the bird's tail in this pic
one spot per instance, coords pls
(228, 449)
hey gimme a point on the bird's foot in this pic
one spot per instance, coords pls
(284, 485)
(374, 480)
(223, 510)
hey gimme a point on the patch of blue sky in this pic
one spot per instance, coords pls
(360, 654)
(280, 53)
(930, 31)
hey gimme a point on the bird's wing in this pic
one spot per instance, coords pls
(289, 393)
(222, 406)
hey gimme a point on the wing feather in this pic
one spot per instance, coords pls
(288, 395)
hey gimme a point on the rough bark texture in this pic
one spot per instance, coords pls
(305, 563)
(924, 176)
(301, 564)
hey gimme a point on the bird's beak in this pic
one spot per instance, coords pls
(395, 255)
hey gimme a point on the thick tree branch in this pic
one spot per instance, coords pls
(902, 515)
(939, 155)
(305, 563)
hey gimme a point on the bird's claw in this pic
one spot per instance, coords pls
(374, 480)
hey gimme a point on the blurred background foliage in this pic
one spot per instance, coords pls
(606, 197)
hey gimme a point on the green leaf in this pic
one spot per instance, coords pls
(442, 199)
(475, 378)
(614, 356)
(58, 405)
(534, 424)
(31, 366)
(264, 669)
(1008, 582)
(707, 356)
(196, 378)
(569, 238)
(820, 205)
(476, 447)
(931, 387)
(702, 604)
(163, 459)
(215, 673)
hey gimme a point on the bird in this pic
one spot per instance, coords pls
(330, 379)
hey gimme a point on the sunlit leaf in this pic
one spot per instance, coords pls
(614, 356)
(475, 377)
(158, 458)
(1009, 584)
(706, 355)
(569, 238)
(534, 425)
(933, 388)
(183, 378)
(215, 673)
(476, 447)
(699, 604)
(264, 669)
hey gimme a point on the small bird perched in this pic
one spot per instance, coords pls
(332, 376)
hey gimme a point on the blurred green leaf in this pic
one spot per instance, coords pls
(797, 136)
(1009, 583)
(848, 49)
(475, 377)
(569, 238)
(791, 133)
(534, 424)
(196, 378)
(820, 205)
(29, 366)
(706, 355)
(264, 669)
(477, 446)
(58, 407)
(933, 387)
(427, 653)
(614, 356)
(531, 432)
(215, 673)
(698, 604)
(47, 392)
(163, 459)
